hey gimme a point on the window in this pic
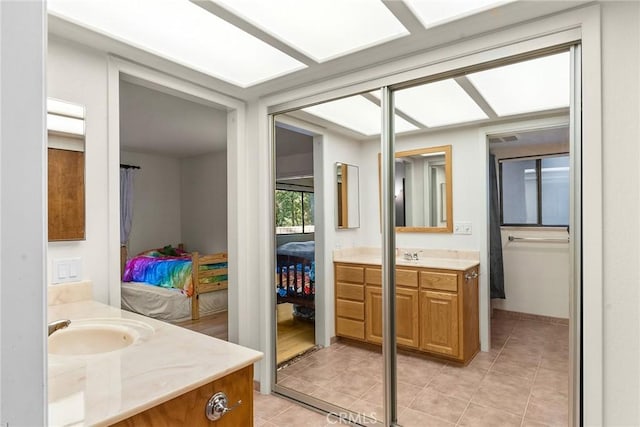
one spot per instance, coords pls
(535, 191)
(294, 212)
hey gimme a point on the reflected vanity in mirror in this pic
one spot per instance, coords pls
(65, 152)
(423, 190)
(348, 196)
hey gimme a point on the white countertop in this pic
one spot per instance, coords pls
(105, 388)
(427, 258)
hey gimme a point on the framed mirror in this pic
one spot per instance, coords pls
(66, 171)
(423, 190)
(348, 196)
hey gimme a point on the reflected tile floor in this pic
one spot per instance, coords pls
(523, 380)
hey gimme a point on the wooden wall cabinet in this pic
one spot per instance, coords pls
(436, 310)
(66, 219)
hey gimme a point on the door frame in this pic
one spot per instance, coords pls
(157, 80)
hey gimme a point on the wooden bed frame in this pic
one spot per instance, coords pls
(284, 281)
(198, 277)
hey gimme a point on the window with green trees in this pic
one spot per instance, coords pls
(294, 212)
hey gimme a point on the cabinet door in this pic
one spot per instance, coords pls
(439, 322)
(406, 316)
(407, 331)
(373, 314)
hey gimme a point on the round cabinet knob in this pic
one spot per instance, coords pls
(217, 406)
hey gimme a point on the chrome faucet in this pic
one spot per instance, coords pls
(57, 325)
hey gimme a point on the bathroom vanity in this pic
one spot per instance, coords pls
(436, 301)
(162, 375)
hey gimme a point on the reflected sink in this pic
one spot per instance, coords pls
(94, 336)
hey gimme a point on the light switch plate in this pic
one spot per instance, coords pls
(462, 227)
(67, 270)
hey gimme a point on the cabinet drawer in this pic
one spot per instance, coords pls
(350, 291)
(350, 309)
(404, 277)
(439, 281)
(350, 328)
(373, 276)
(345, 273)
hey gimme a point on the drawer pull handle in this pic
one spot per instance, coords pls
(217, 406)
(472, 275)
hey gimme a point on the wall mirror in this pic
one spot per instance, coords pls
(423, 190)
(65, 160)
(348, 196)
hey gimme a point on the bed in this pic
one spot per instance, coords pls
(295, 276)
(174, 285)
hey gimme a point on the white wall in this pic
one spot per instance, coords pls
(536, 275)
(79, 75)
(204, 202)
(621, 210)
(156, 202)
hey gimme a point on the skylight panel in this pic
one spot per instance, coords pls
(438, 104)
(535, 85)
(356, 113)
(436, 12)
(321, 29)
(182, 32)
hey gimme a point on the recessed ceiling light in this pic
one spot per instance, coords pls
(321, 29)
(436, 12)
(438, 104)
(182, 32)
(356, 113)
(535, 85)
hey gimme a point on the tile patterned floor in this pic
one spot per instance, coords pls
(522, 381)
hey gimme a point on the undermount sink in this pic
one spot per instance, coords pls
(94, 336)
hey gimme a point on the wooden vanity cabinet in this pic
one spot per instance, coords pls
(349, 282)
(436, 310)
(188, 409)
(407, 314)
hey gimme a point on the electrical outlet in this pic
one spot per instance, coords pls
(462, 227)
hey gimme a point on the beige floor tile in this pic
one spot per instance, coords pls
(406, 394)
(439, 405)
(417, 372)
(550, 411)
(479, 416)
(518, 368)
(341, 400)
(298, 384)
(461, 385)
(267, 406)
(412, 418)
(353, 385)
(298, 416)
(503, 392)
(549, 382)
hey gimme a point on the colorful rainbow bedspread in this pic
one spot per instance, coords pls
(157, 269)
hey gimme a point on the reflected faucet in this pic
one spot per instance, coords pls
(57, 325)
(411, 256)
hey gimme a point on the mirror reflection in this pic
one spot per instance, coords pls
(348, 196)
(423, 200)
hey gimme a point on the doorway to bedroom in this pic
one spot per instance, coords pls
(295, 244)
(173, 188)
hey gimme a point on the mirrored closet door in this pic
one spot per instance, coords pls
(449, 360)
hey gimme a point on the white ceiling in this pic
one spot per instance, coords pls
(156, 122)
(86, 24)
